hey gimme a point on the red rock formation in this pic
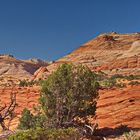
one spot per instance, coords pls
(109, 52)
(119, 106)
(114, 107)
(26, 97)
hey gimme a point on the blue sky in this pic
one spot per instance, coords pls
(49, 29)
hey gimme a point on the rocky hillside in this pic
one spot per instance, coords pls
(109, 52)
(112, 53)
(119, 106)
(12, 70)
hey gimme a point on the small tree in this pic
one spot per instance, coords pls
(28, 120)
(68, 93)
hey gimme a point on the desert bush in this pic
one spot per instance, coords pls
(28, 120)
(134, 83)
(108, 83)
(49, 134)
(25, 120)
(25, 83)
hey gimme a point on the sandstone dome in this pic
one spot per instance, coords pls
(133, 51)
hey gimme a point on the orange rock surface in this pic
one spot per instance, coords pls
(110, 52)
(26, 97)
(119, 106)
(114, 107)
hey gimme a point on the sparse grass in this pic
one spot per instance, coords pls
(131, 136)
(25, 83)
(115, 80)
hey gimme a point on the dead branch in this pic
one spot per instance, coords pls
(6, 112)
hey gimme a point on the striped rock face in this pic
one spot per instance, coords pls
(110, 52)
(115, 107)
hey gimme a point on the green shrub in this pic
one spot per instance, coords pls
(49, 134)
(25, 120)
(25, 83)
(28, 120)
(108, 83)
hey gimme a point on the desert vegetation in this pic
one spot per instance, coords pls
(47, 134)
(67, 98)
(26, 83)
(117, 80)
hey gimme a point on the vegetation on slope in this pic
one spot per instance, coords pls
(70, 93)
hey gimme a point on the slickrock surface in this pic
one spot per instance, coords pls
(109, 52)
(44, 72)
(113, 50)
(119, 106)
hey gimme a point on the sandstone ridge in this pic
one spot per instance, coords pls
(109, 52)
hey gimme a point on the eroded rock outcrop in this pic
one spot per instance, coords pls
(109, 52)
(115, 107)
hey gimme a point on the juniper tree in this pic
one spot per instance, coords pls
(68, 93)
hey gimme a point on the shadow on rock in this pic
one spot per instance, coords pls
(105, 132)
